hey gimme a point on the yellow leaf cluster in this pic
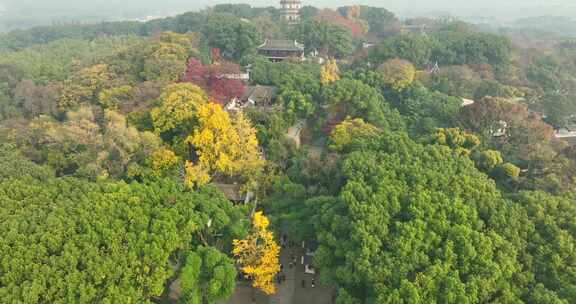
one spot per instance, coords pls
(171, 46)
(226, 146)
(250, 162)
(349, 130)
(398, 74)
(72, 95)
(179, 103)
(111, 98)
(258, 255)
(329, 72)
(163, 158)
(95, 76)
(216, 140)
(196, 175)
(84, 86)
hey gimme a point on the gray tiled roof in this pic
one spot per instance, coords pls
(231, 191)
(281, 45)
(259, 94)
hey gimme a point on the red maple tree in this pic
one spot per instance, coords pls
(220, 81)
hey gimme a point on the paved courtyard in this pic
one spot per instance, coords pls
(288, 292)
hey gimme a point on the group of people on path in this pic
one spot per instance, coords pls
(281, 276)
(289, 244)
(312, 284)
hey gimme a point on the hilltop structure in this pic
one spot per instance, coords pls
(291, 10)
(279, 50)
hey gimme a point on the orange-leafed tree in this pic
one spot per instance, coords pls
(257, 255)
(354, 26)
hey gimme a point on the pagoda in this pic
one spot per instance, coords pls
(291, 10)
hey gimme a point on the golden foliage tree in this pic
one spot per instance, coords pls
(112, 98)
(348, 131)
(397, 73)
(216, 141)
(258, 254)
(163, 158)
(84, 86)
(166, 59)
(329, 72)
(196, 175)
(250, 162)
(225, 146)
(178, 106)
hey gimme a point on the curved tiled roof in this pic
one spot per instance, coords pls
(281, 45)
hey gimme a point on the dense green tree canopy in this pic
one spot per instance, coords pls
(67, 240)
(353, 98)
(234, 37)
(413, 194)
(446, 47)
(323, 37)
(415, 224)
(207, 276)
(423, 248)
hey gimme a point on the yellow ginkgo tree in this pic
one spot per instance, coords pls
(225, 146)
(329, 72)
(257, 255)
(178, 106)
(397, 73)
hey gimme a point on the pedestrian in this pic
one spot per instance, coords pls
(283, 277)
(313, 283)
(279, 279)
(303, 283)
(281, 267)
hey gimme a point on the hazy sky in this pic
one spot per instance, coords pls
(496, 8)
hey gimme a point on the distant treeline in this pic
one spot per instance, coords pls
(187, 22)
(20, 39)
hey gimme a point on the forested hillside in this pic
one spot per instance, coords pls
(169, 161)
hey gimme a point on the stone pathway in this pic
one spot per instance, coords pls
(285, 291)
(290, 291)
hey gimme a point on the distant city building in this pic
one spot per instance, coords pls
(280, 50)
(419, 29)
(291, 10)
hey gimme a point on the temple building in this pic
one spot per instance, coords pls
(291, 10)
(259, 96)
(280, 50)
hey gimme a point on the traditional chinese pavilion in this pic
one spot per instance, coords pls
(280, 50)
